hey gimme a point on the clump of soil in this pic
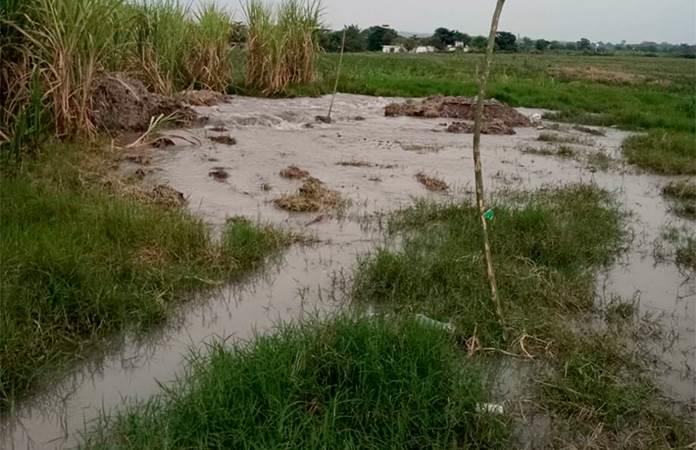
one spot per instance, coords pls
(458, 108)
(354, 163)
(312, 196)
(219, 174)
(121, 103)
(202, 97)
(218, 129)
(162, 142)
(165, 195)
(225, 140)
(294, 173)
(431, 183)
(494, 126)
(588, 130)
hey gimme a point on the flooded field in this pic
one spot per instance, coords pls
(372, 161)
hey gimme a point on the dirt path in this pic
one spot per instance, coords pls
(381, 157)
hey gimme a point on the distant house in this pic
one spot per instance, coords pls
(393, 49)
(424, 49)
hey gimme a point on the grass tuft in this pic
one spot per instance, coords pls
(664, 152)
(80, 263)
(366, 383)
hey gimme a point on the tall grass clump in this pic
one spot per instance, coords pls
(282, 44)
(162, 43)
(69, 42)
(209, 64)
(80, 262)
(367, 383)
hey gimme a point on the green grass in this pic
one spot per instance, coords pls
(546, 136)
(682, 195)
(80, 263)
(543, 247)
(547, 247)
(368, 383)
(664, 152)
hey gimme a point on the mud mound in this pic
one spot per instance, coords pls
(494, 126)
(121, 103)
(225, 140)
(293, 173)
(458, 108)
(431, 183)
(313, 196)
(202, 97)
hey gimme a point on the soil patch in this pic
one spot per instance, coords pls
(294, 173)
(354, 164)
(494, 126)
(121, 103)
(202, 97)
(458, 108)
(219, 174)
(225, 140)
(312, 196)
(431, 183)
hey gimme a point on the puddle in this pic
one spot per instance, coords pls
(273, 134)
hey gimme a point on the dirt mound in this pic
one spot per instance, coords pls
(225, 140)
(202, 97)
(121, 103)
(494, 126)
(458, 108)
(431, 183)
(311, 197)
(293, 173)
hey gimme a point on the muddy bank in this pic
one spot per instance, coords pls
(123, 103)
(495, 113)
(379, 178)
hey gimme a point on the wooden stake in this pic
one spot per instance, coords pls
(338, 73)
(478, 172)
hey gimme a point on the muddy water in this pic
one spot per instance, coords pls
(273, 134)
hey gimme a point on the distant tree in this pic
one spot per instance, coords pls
(570, 46)
(462, 37)
(584, 44)
(238, 33)
(506, 41)
(378, 36)
(442, 37)
(328, 40)
(479, 42)
(355, 40)
(555, 45)
(525, 44)
(542, 44)
(410, 43)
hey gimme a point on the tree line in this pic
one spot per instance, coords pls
(373, 38)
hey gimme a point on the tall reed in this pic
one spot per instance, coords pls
(282, 44)
(208, 64)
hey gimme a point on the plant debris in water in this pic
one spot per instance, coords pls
(294, 173)
(588, 130)
(431, 183)
(312, 196)
(219, 174)
(493, 126)
(225, 140)
(354, 163)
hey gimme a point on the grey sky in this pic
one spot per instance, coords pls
(599, 20)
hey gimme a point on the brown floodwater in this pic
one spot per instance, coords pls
(310, 279)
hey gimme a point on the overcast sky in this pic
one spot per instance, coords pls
(599, 20)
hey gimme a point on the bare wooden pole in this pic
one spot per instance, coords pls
(338, 73)
(478, 172)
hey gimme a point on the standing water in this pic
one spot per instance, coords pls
(380, 157)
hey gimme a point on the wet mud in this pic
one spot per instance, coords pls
(313, 277)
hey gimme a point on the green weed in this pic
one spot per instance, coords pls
(666, 152)
(80, 263)
(368, 383)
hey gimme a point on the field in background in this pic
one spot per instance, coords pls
(655, 95)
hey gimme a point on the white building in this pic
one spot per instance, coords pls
(424, 49)
(393, 49)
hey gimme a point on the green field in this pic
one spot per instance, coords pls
(652, 95)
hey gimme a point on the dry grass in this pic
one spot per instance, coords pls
(313, 196)
(605, 76)
(282, 45)
(293, 173)
(431, 183)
